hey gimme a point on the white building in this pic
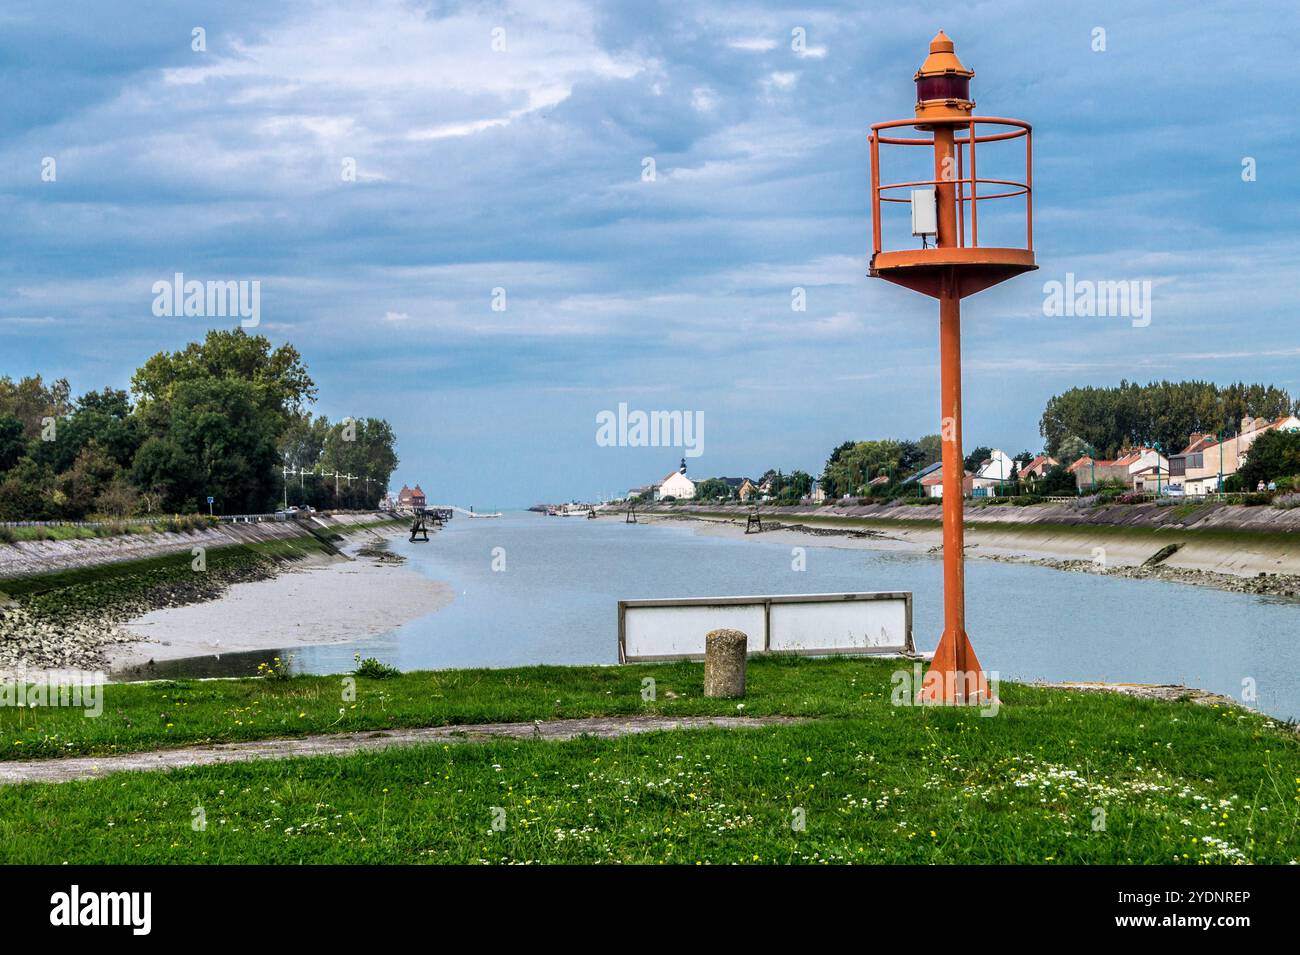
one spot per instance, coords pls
(993, 472)
(676, 485)
(1138, 460)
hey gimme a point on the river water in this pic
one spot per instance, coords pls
(536, 589)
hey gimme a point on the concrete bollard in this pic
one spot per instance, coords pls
(724, 663)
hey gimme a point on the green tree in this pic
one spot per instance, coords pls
(217, 441)
(1274, 454)
(713, 489)
(91, 473)
(1057, 482)
(1071, 448)
(850, 468)
(931, 446)
(303, 442)
(279, 384)
(102, 417)
(978, 457)
(1131, 414)
(13, 444)
(119, 499)
(366, 449)
(797, 485)
(27, 493)
(32, 401)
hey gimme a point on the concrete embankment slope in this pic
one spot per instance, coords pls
(1222, 538)
(29, 558)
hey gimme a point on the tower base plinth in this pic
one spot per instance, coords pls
(955, 677)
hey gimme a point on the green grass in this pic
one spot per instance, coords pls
(9, 535)
(873, 782)
(109, 528)
(101, 573)
(142, 716)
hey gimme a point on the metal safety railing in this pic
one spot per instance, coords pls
(967, 186)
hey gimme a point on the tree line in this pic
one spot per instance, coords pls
(1166, 413)
(220, 418)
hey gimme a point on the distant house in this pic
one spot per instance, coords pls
(924, 472)
(1142, 459)
(1089, 471)
(676, 485)
(734, 485)
(1149, 479)
(818, 495)
(645, 490)
(746, 490)
(410, 497)
(993, 473)
(932, 483)
(1198, 466)
(1039, 466)
(1191, 457)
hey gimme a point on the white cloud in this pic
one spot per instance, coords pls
(703, 99)
(753, 45)
(408, 73)
(783, 81)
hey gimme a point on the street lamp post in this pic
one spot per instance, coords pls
(1220, 487)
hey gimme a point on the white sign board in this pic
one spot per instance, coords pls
(809, 624)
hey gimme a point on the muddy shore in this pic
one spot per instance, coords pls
(321, 602)
(360, 591)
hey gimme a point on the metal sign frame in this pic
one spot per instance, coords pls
(767, 601)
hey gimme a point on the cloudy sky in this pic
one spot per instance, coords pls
(504, 146)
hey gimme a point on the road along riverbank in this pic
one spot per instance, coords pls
(1250, 552)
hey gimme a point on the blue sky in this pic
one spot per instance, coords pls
(521, 169)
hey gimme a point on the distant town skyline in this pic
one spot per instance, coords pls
(492, 225)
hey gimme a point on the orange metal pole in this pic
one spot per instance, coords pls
(961, 202)
(1029, 189)
(974, 193)
(875, 193)
(955, 675)
(945, 172)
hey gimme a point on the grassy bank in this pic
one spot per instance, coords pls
(105, 589)
(1054, 776)
(59, 532)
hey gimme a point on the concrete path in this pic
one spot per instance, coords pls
(341, 744)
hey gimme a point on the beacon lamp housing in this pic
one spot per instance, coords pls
(948, 206)
(943, 84)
